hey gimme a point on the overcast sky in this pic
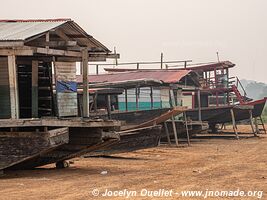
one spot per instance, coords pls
(181, 29)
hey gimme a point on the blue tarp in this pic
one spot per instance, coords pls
(64, 86)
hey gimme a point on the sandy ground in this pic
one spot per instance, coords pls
(210, 163)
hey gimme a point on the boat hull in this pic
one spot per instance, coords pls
(217, 115)
(18, 148)
(132, 140)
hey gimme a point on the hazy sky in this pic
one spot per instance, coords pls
(181, 29)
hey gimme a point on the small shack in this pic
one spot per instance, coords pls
(32, 116)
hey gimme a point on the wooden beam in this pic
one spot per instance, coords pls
(108, 106)
(11, 44)
(13, 84)
(151, 97)
(34, 89)
(62, 35)
(85, 72)
(56, 52)
(18, 52)
(186, 128)
(126, 99)
(199, 105)
(53, 43)
(55, 122)
(175, 131)
(167, 133)
(47, 39)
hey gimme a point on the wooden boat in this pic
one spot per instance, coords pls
(221, 114)
(132, 140)
(27, 150)
(21, 146)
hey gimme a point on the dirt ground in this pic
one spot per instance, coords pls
(216, 163)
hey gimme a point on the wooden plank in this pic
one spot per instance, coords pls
(85, 82)
(57, 52)
(186, 128)
(34, 89)
(55, 122)
(167, 133)
(13, 84)
(19, 52)
(11, 44)
(175, 131)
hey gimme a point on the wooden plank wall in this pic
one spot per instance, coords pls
(5, 111)
(67, 102)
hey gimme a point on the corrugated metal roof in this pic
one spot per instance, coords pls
(14, 30)
(172, 76)
(23, 30)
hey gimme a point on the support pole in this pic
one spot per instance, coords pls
(186, 127)
(256, 125)
(137, 98)
(175, 132)
(126, 100)
(95, 102)
(151, 97)
(161, 61)
(13, 84)
(234, 123)
(251, 123)
(34, 89)
(167, 133)
(109, 106)
(199, 105)
(85, 83)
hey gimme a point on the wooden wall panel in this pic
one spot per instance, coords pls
(5, 111)
(66, 86)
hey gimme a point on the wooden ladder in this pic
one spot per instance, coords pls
(259, 122)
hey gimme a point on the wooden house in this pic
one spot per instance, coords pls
(30, 52)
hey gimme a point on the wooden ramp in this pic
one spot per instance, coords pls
(132, 140)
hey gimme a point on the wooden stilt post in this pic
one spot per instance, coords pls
(13, 84)
(95, 102)
(199, 106)
(251, 123)
(85, 83)
(167, 133)
(151, 97)
(137, 98)
(161, 61)
(34, 89)
(109, 106)
(234, 123)
(186, 127)
(256, 125)
(262, 124)
(126, 100)
(175, 132)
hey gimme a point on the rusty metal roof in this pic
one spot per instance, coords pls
(167, 76)
(25, 30)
